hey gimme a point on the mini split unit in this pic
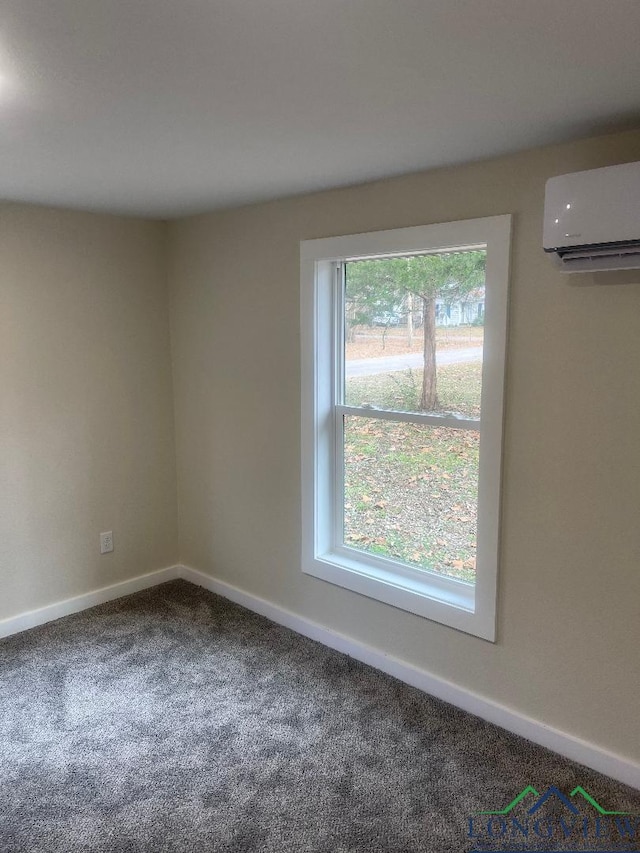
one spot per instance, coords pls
(592, 219)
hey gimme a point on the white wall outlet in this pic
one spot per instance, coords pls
(106, 542)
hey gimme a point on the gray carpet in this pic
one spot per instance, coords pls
(174, 721)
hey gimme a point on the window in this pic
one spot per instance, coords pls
(403, 345)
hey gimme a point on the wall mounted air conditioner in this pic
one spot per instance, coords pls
(592, 219)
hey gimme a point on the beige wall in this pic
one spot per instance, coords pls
(569, 604)
(86, 418)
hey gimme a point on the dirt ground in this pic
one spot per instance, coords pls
(371, 342)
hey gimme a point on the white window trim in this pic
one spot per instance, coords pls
(465, 606)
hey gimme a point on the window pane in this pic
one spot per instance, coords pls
(411, 492)
(414, 332)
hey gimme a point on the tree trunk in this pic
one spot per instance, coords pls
(429, 397)
(350, 310)
(410, 320)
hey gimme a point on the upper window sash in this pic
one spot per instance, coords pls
(338, 353)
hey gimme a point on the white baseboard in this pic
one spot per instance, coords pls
(31, 618)
(589, 754)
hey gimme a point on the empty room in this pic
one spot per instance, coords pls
(319, 418)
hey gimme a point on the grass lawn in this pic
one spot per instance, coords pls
(372, 341)
(459, 387)
(411, 490)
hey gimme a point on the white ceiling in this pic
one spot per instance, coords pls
(168, 107)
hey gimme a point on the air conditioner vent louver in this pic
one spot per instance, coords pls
(606, 257)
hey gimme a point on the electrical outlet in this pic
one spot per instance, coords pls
(106, 542)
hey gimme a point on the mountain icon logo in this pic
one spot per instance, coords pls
(570, 802)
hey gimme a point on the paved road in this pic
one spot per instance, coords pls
(392, 363)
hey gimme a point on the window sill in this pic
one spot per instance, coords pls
(446, 600)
